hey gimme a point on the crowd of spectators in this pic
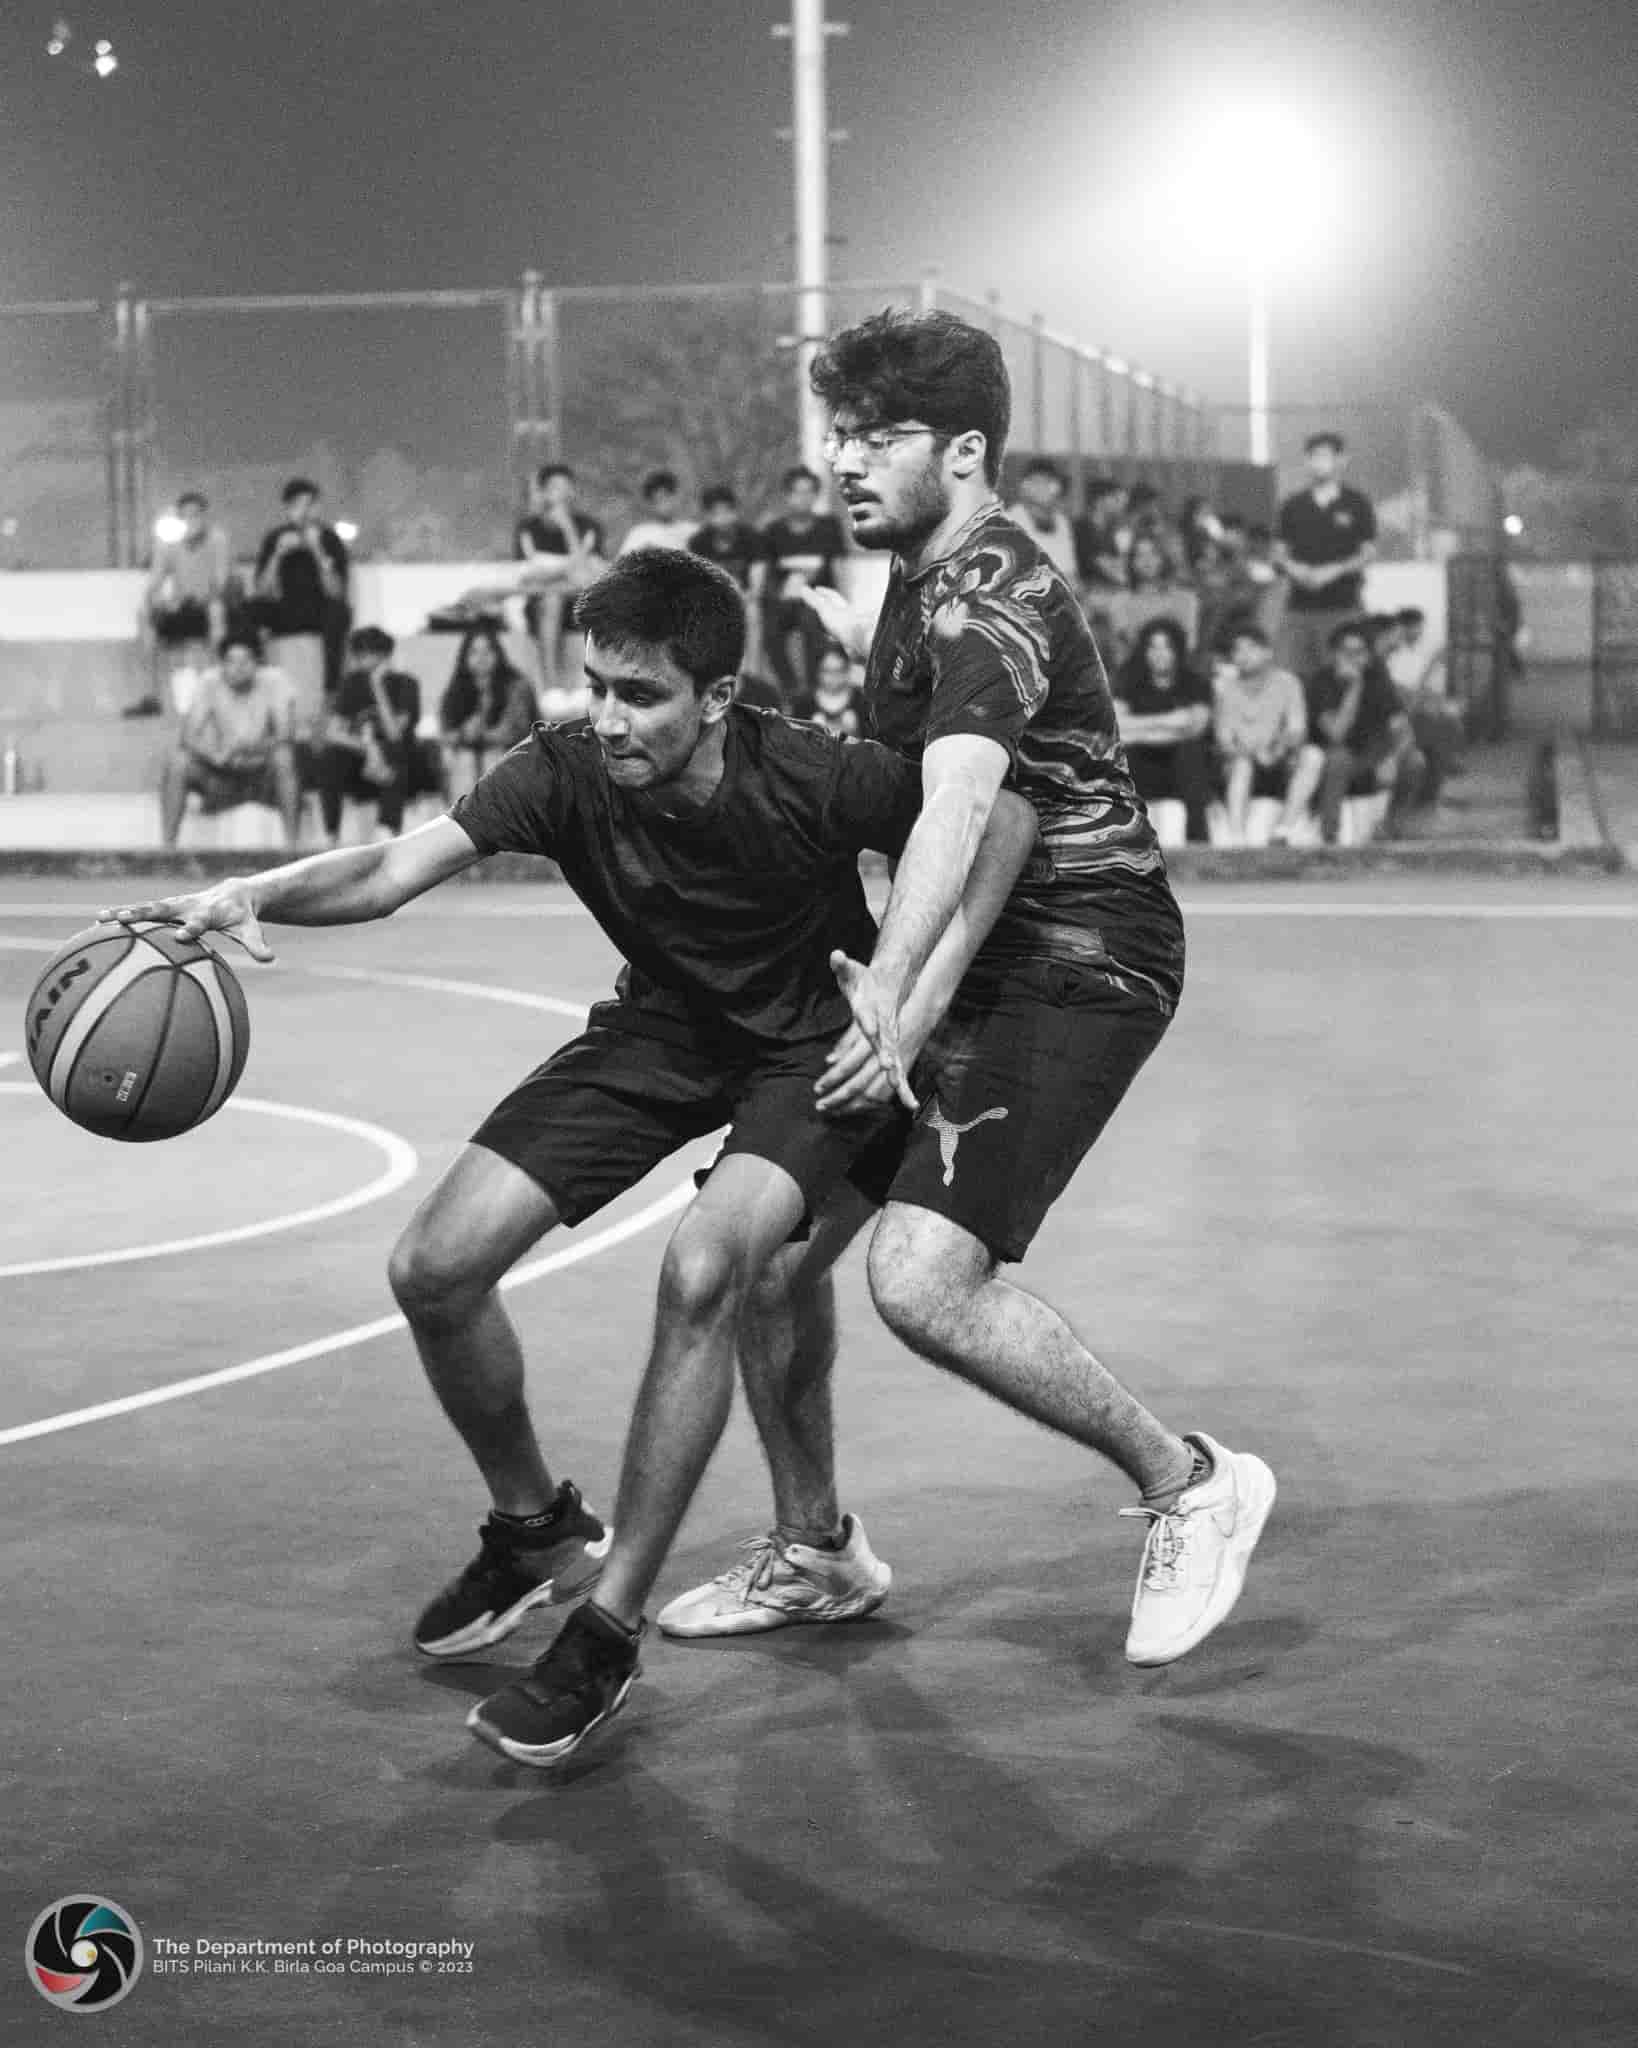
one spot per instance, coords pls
(1243, 667)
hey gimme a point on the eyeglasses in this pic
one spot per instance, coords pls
(873, 443)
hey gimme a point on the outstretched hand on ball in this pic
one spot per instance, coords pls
(227, 908)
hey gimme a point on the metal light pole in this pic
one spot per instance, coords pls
(1258, 386)
(810, 151)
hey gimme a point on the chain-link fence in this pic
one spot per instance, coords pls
(56, 437)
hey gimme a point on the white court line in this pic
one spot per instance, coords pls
(342, 1340)
(1499, 913)
(522, 998)
(402, 1163)
(446, 906)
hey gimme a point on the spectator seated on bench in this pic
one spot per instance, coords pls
(488, 706)
(1354, 713)
(1261, 723)
(237, 743)
(369, 750)
(1164, 710)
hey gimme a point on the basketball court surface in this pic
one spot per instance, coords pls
(1371, 1210)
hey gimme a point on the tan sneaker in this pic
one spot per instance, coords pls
(1194, 1562)
(775, 1584)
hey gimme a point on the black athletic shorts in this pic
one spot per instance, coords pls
(609, 1106)
(1015, 1090)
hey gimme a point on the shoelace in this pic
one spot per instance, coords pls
(754, 1569)
(1165, 1551)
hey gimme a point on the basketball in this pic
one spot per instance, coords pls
(136, 1032)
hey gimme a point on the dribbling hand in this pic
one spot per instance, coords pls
(227, 909)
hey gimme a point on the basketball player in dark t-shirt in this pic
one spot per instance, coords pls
(718, 849)
(983, 670)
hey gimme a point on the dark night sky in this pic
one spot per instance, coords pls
(1484, 153)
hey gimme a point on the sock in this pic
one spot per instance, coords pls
(785, 1535)
(606, 1624)
(530, 1526)
(1165, 1498)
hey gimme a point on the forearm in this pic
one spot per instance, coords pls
(932, 879)
(344, 887)
(1002, 853)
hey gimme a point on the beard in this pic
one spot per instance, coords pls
(921, 505)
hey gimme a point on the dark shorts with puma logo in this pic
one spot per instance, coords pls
(1015, 1088)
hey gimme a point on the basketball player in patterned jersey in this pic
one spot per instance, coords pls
(982, 668)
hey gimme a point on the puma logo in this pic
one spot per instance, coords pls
(950, 1135)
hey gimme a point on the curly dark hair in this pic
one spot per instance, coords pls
(920, 366)
(462, 698)
(1135, 668)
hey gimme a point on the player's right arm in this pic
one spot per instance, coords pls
(350, 886)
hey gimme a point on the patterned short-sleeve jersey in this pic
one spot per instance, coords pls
(989, 639)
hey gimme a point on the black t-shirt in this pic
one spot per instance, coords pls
(547, 537)
(1144, 697)
(1379, 706)
(814, 548)
(737, 548)
(990, 640)
(1316, 534)
(726, 916)
(355, 700)
(301, 602)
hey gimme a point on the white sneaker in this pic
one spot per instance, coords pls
(775, 1584)
(1194, 1562)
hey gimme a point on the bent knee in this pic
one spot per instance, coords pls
(431, 1276)
(701, 1278)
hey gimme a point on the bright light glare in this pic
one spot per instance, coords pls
(347, 531)
(169, 529)
(1513, 525)
(1257, 180)
(105, 63)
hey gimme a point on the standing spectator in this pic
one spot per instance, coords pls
(1261, 725)
(237, 744)
(837, 702)
(186, 600)
(802, 547)
(662, 524)
(1163, 708)
(302, 575)
(1103, 539)
(487, 707)
(1152, 592)
(1355, 715)
(1327, 536)
(735, 545)
(561, 549)
(369, 742)
(1039, 510)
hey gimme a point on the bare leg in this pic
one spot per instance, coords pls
(744, 1213)
(474, 1226)
(1237, 797)
(287, 783)
(937, 1290)
(173, 797)
(1306, 775)
(787, 1352)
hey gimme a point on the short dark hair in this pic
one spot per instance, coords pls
(371, 640)
(1350, 629)
(660, 480)
(1242, 629)
(1043, 465)
(1411, 615)
(193, 498)
(548, 470)
(720, 494)
(240, 636)
(799, 473)
(920, 366)
(1327, 437)
(666, 598)
(299, 487)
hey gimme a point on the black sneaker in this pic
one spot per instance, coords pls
(580, 1683)
(514, 1572)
